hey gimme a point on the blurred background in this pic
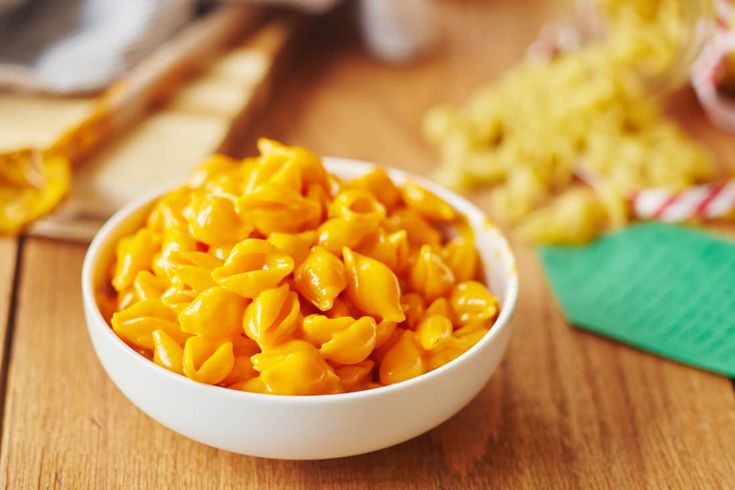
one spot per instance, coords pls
(111, 86)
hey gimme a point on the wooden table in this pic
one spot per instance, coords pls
(565, 409)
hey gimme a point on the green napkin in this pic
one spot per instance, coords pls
(662, 288)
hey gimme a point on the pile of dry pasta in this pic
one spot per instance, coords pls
(565, 142)
(271, 275)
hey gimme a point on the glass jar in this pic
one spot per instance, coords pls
(665, 44)
(661, 38)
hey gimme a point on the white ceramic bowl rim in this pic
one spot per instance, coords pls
(461, 204)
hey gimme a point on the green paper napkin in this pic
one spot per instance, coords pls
(662, 288)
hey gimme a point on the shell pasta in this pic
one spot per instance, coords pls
(270, 275)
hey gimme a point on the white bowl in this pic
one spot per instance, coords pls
(303, 427)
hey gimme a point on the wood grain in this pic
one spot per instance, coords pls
(36, 120)
(565, 409)
(8, 259)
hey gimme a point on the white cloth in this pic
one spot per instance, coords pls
(81, 45)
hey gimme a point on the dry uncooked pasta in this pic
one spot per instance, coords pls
(564, 142)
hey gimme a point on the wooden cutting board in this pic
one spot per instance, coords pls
(201, 115)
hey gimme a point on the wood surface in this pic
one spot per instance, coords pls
(35, 121)
(566, 409)
(8, 260)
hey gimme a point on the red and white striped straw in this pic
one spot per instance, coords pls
(708, 201)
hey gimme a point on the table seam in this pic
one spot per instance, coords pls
(10, 328)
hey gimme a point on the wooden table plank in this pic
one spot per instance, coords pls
(566, 409)
(8, 259)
